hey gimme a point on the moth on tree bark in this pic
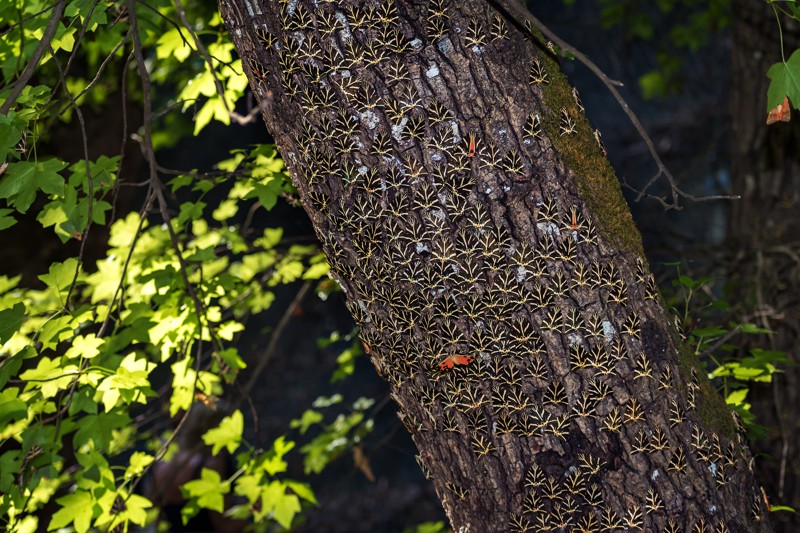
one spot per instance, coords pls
(486, 251)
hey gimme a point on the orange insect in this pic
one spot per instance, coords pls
(471, 151)
(453, 360)
(781, 113)
(574, 225)
(209, 401)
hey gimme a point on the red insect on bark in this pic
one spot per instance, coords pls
(574, 225)
(471, 151)
(453, 360)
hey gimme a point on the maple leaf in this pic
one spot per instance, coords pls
(785, 82)
(21, 181)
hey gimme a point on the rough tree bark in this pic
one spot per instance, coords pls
(763, 233)
(485, 249)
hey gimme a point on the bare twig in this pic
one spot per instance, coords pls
(41, 48)
(89, 181)
(728, 336)
(76, 47)
(273, 341)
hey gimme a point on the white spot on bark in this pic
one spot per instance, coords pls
(575, 338)
(521, 274)
(443, 45)
(416, 43)
(550, 228)
(432, 71)
(654, 475)
(370, 119)
(713, 469)
(422, 247)
(398, 128)
(364, 308)
(488, 190)
(290, 7)
(250, 8)
(345, 33)
(456, 133)
(477, 50)
(608, 331)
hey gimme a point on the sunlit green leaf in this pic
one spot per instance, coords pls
(227, 435)
(208, 491)
(77, 508)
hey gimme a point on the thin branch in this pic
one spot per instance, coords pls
(76, 47)
(44, 45)
(89, 181)
(273, 341)
(728, 336)
(100, 70)
(158, 187)
(22, 20)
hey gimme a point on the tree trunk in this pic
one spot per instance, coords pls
(485, 249)
(763, 230)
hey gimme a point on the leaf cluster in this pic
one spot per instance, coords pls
(99, 359)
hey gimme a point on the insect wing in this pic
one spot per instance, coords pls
(781, 113)
(462, 359)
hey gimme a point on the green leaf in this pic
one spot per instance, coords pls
(785, 82)
(317, 270)
(85, 346)
(78, 508)
(60, 275)
(173, 43)
(50, 376)
(10, 406)
(226, 210)
(99, 429)
(273, 462)
(302, 490)
(137, 463)
(737, 397)
(285, 508)
(10, 133)
(227, 435)
(249, 486)
(306, 420)
(208, 491)
(11, 320)
(6, 220)
(22, 180)
(191, 211)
